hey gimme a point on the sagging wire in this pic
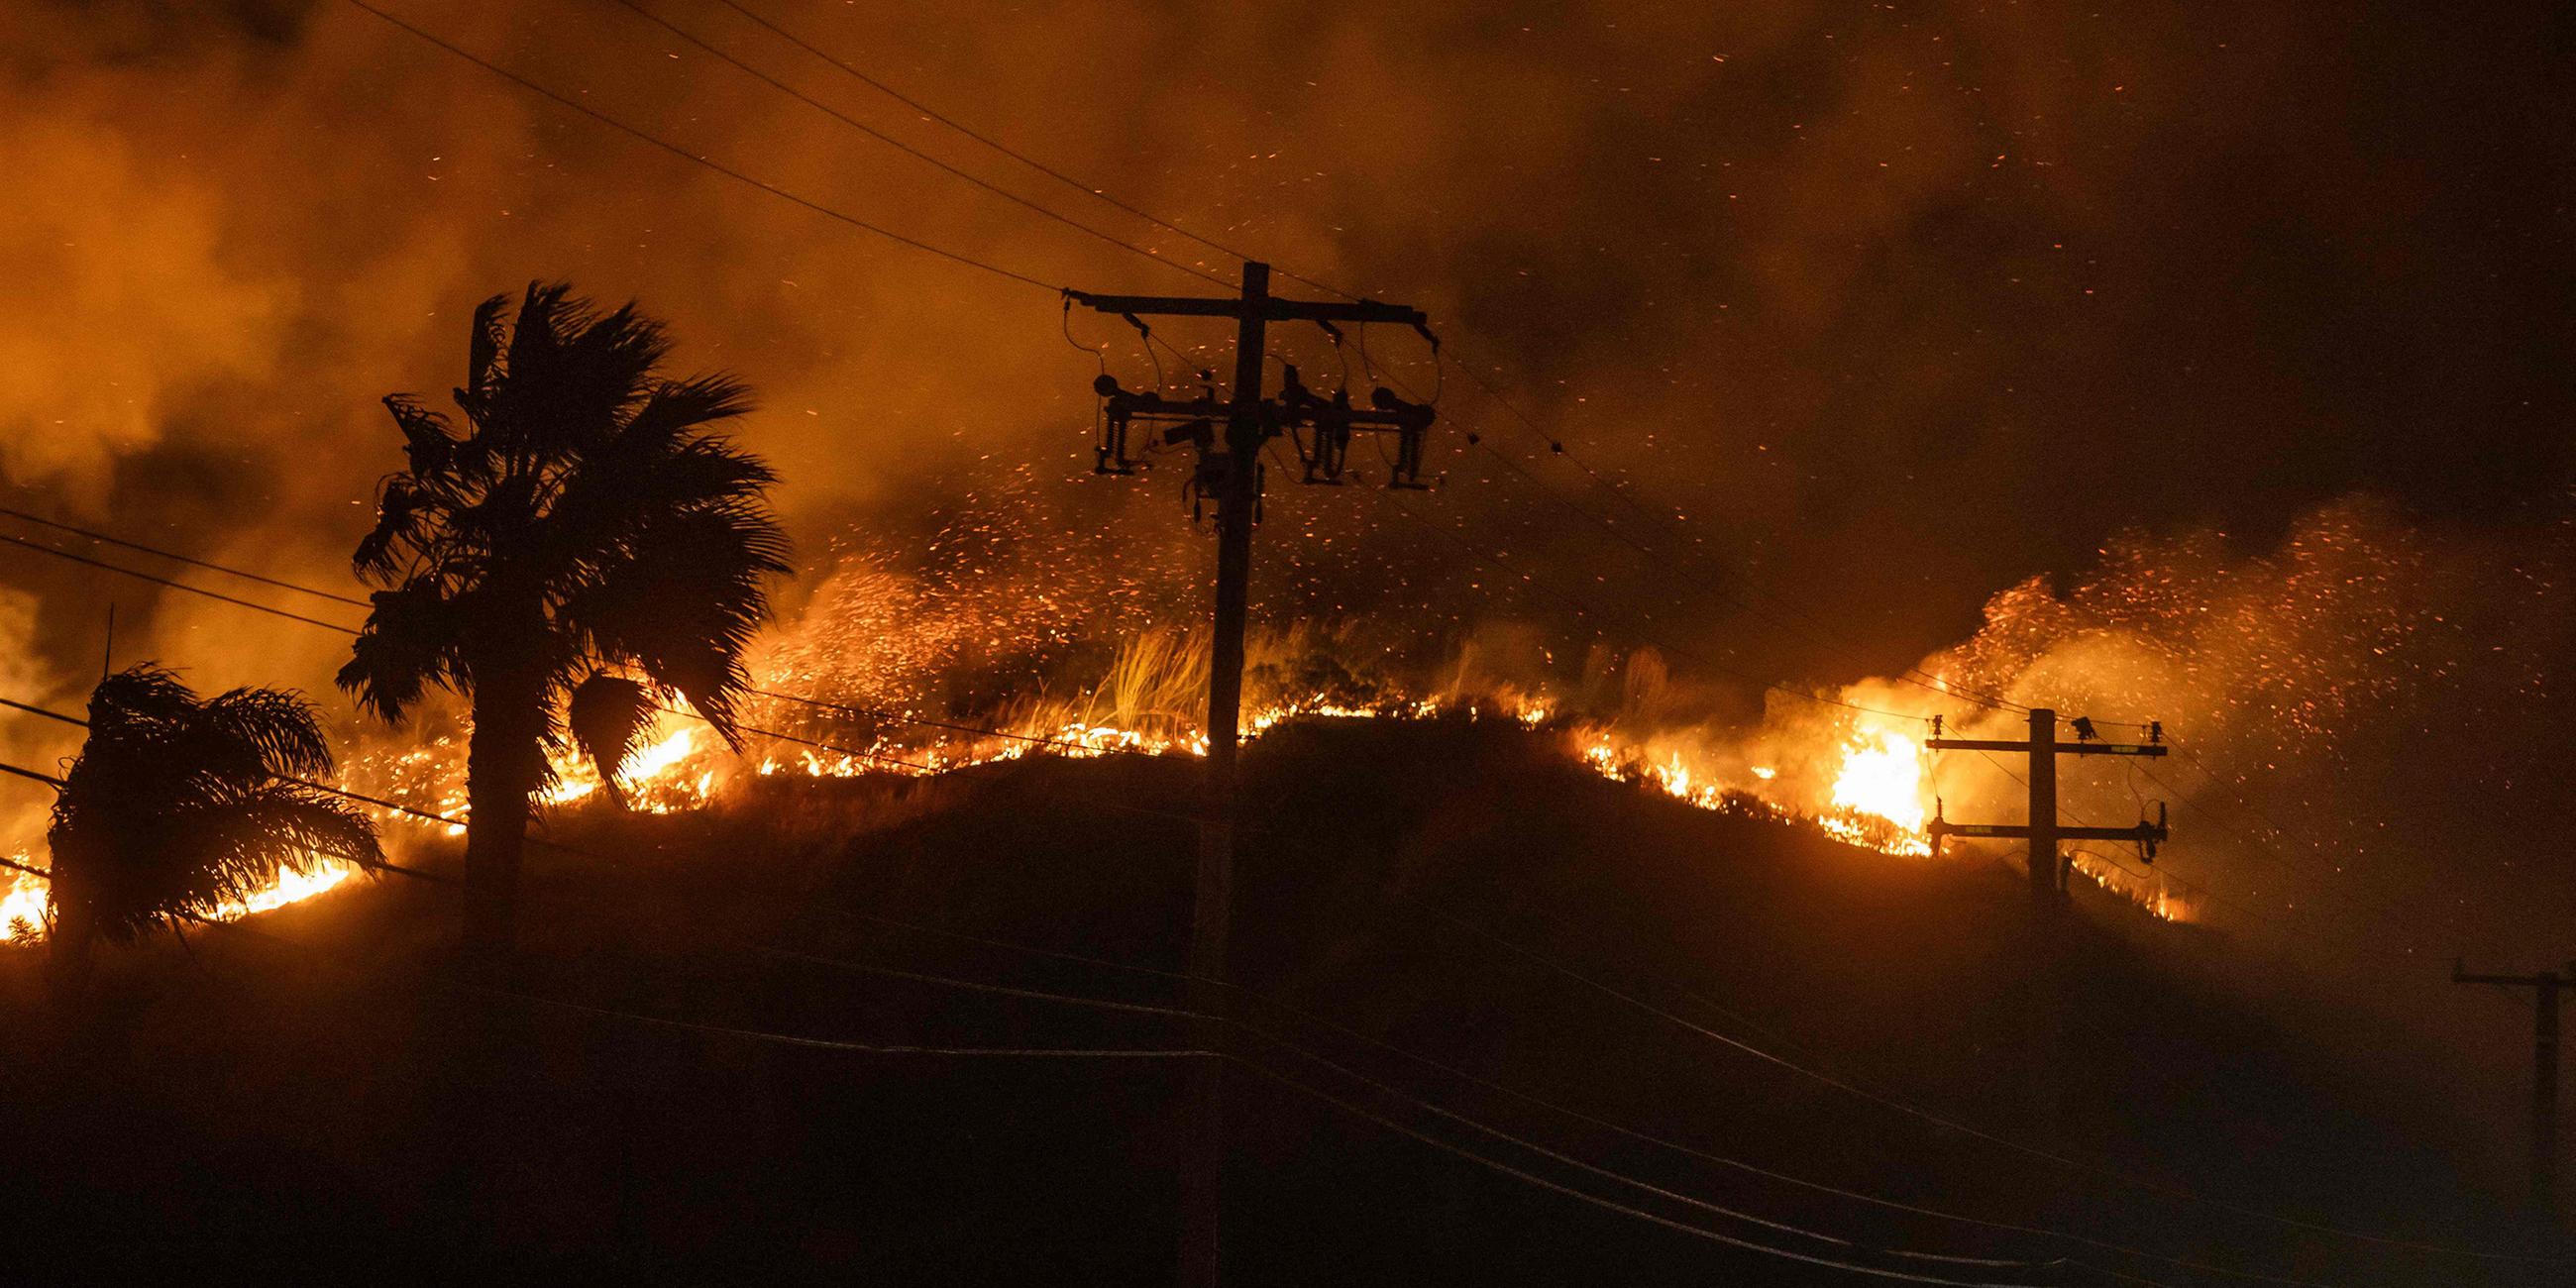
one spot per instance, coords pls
(1148, 332)
(1100, 355)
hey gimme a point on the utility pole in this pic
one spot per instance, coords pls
(2044, 1003)
(2043, 831)
(1228, 470)
(2544, 1076)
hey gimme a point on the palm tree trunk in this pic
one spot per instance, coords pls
(503, 763)
(70, 945)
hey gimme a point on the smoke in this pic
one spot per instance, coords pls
(2370, 721)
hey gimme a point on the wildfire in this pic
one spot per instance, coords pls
(649, 776)
(1866, 782)
(22, 905)
(290, 887)
(25, 900)
(1883, 776)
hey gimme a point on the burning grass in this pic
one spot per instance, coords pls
(1859, 777)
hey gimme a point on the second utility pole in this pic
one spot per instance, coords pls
(2544, 1076)
(1234, 478)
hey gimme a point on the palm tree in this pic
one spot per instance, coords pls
(583, 521)
(178, 805)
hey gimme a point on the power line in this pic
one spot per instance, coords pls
(1556, 446)
(58, 526)
(1077, 185)
(41, 548)
(768, 1036)
(836, 1044)
(978, 986)
(1380, 1087)
(1578, 1115)
(709, 163)
(47, 779)
(1418, 1103)
(2100, 1170)
(1569, 1191)
(908, 149)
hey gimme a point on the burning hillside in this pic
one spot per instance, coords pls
(952, 658)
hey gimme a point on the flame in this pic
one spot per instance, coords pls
(1883, 776)
(1864, 780)
(290, 887)
(22, 905)
(26, 899)
(652, 777)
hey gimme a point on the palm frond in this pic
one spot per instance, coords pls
(682, 599)
(429, 438)
(608, 715)
(483, 351)
(414, 638)
(176, 805)
(278, 723)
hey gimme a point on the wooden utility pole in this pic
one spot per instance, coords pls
(2544, 1076)
(2043, 831)
(2044, 1004)
(1232, 477)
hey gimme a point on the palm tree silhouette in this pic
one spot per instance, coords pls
(178, 805)
(584, 521)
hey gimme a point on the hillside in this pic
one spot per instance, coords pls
(320, 1091)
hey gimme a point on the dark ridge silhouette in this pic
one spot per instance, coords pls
(301, 1111)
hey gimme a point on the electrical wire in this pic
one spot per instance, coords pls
(693, 158)
(104, 538)
(1577, 1115)
(42, 548)
(2102, 1171)
(1569, 1191)
(837, 1044)
(909, 150)
(952, 123)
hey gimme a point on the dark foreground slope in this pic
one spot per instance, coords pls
(328, 1094)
